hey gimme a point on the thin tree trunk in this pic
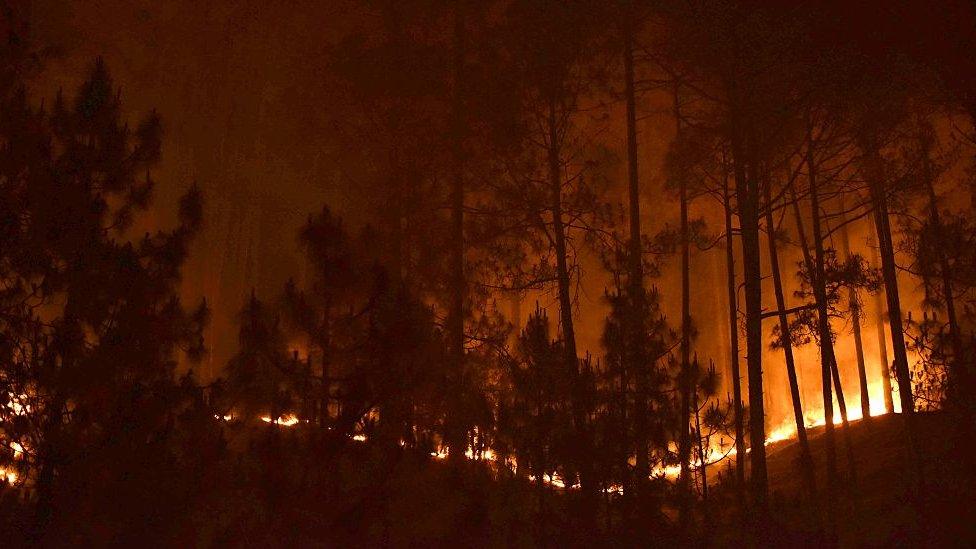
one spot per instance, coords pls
(890, 274)
(306, 386)
(325, 343)
(882, 339)
(559, 237)
(846, 424)
(702, 457)
(826, 344)
(634, 362)
(740, 442)
(817, 268)
(828, 356)
(456, 431)
(584, 452)
(945, 271)
(862, 372)
(784, 325)
(875, 178)
(686, 382)
(854, 305)
(747, 195)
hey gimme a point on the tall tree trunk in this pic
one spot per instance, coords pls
(740, 442)
(945, 272)
(686, 382)
(634, 361)
(874, 172)
(828, 356)
(584, 453)
(885, 366)
(784, 325)
(889, 272)
(702, 454)
(854, 305)
(845, 424)
(747, 195)
(559, 238)
(324, 342)
(827, 359)
(457, 429)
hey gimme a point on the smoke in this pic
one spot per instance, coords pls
(244, 93)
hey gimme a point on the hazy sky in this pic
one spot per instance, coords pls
(244, 94)
(241, 92)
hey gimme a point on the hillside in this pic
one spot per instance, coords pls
(875, 506)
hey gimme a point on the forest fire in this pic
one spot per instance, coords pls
(9, 475)
(787, 429)
(505, 273)
(287, 420)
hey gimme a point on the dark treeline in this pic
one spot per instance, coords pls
(393, 395)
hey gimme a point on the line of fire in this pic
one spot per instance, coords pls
(493, 273)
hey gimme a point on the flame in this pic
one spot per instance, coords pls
(783, 432)
(787, 429)
(713, 455)
(554, 479)
(486, 454)
(8, 475)
(19, 405)
(18, 408)
(287, 420)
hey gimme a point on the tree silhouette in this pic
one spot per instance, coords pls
(98, 311)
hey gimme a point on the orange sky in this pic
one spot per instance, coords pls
(241, 91)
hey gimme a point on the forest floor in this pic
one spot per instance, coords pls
(876, 505)
(277, 495)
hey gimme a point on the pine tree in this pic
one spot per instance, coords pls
(101, 314)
